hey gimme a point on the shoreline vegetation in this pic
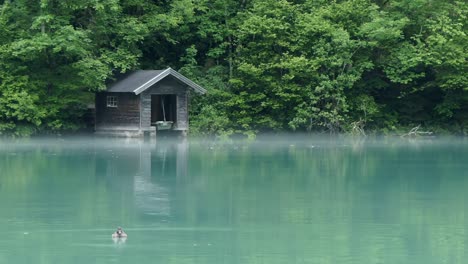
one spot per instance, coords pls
(358, 67)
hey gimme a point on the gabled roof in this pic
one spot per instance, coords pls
(138, 81)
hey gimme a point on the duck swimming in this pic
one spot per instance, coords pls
(119, 233)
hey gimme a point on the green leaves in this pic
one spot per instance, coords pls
(18, 107)
(60, 52)
(267, 65)
(92, 72)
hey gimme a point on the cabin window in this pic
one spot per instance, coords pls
(111, 101)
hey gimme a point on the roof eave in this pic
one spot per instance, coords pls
(152, 81)
(187, 81)
(164, 74)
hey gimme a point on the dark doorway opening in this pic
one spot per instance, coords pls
(163, 108)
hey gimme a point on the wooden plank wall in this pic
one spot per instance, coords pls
(126, 114)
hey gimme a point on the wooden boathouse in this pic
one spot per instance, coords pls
(143, 102)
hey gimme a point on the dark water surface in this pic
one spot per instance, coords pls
(273, 201)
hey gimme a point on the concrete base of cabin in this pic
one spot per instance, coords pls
(135, 132)
(125, 132)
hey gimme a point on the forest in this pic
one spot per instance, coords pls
(331, 66)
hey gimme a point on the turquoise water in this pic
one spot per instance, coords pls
(281, 200)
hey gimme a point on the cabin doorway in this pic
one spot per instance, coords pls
(163, 110)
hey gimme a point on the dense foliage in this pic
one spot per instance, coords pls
(269, 65)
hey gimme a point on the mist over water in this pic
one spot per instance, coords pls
(291, 199)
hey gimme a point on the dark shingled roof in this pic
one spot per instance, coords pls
(138, 81)
(129, 82)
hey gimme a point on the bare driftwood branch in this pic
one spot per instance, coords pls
(358, 128)
(414, 132)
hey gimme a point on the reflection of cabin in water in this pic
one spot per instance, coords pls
(145, 101)
(141, 175)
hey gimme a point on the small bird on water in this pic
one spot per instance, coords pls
(119, 233)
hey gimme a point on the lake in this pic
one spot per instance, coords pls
(275, 200)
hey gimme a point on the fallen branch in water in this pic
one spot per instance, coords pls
(414, 132)
(358, 128)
